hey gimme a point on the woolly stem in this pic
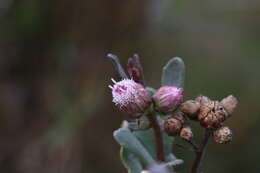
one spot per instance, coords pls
(158, 137)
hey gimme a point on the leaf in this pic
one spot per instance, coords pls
(139, 124)
(139, 147)
(118, 65)
(130, 161)
(147, 139)
(174, 73)
(127, 140)
(173, 161)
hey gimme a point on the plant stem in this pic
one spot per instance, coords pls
(200, 152)
(158, 137)
(194, 146)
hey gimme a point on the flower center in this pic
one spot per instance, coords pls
(120, 89)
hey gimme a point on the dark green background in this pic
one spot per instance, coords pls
(56, 114)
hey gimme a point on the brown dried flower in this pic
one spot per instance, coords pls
(173, 125)
(229, 104)
(190, 108)
(212, 114)
(223, 135)
(202, 100)
(186, 133)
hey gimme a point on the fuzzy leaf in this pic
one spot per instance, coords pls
(147, 139)
(174, 73)
(173, 161)
(130, 161)
(127, 140)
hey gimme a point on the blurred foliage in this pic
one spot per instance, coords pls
(56, 113)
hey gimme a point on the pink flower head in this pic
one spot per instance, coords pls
(168, 98)
(130, 96)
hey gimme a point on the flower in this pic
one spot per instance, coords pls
(168, 98)
(186, 133)
(212, 115)
(174, 124)
(190, 108)
(223, 135)
(229, 104)
(130, 97)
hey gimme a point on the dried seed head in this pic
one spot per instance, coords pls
(168, 98)
(202, 100)
(173, 125)
(223, 135)
(186, 133)
(229, 104)
(190, 108)
(130, 97)
(212, 114)
(181, 117)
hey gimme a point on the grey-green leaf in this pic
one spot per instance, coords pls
(127, 140)
(174, 73)
(130, 161)
(147, 139)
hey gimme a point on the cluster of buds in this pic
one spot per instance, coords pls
(211, 115)
(166, 107)
(130, 96)
(176, 125)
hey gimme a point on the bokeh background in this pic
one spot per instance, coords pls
(56, 114)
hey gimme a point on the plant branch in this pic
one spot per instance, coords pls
(200, 153)
(184, 147)
(158, 137)
(193, 144)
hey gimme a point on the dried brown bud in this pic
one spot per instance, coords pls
(202, 100)
(212, 115)
(229, 104)
(186, 133)
(173, 125)
(190, 108)
(223, 135)
(135, 69)
(181, 117)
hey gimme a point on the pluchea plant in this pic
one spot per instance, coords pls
(156, 117)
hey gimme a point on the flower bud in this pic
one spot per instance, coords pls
(168, 98)
(130, 97)
(223, 135)
(186, 133)
(190, 108)
(229, 104)
(135, 69)
(202, 100)
(212, 115)
(173, 125)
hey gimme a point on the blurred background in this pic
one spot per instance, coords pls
(56, 114)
